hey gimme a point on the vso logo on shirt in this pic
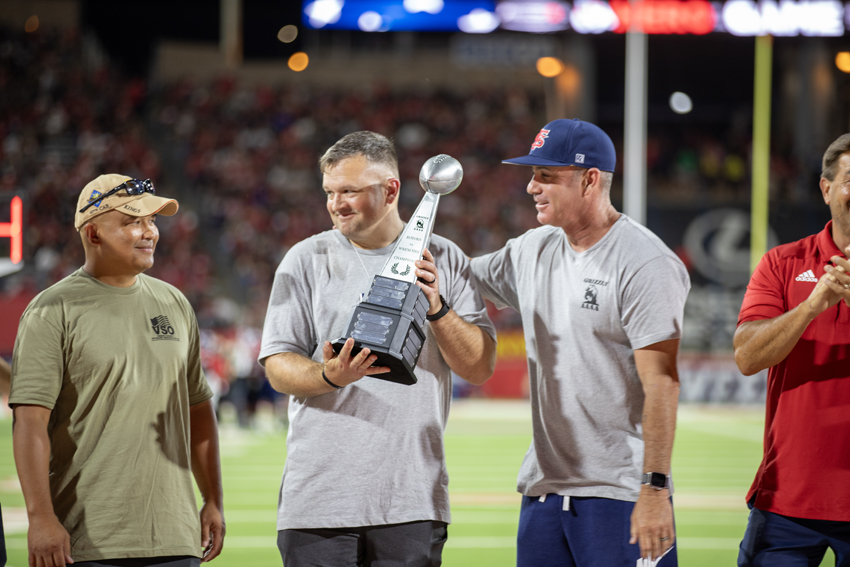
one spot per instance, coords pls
(163, 329)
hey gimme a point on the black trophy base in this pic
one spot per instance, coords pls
(400, 373)
(389, 322)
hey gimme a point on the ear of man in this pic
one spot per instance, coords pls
(393, 189)
(592, 179)
(90, 234)
(824, 189)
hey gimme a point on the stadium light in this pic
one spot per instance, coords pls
(429, 6)
(842, 61)
(681, 103)
(478, 20)
(536, 16)
(298, 61)
(370, 22)
(323, 12)
(593, 16)
(287, 34)
(550, 66)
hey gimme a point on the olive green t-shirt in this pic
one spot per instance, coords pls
(119, 368)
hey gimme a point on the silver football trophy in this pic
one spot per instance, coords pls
(389, 320)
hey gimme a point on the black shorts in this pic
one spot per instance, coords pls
(412, 544)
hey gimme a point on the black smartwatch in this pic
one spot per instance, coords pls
(656, 480)
(442, 312)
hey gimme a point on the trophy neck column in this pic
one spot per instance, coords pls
(414, 239)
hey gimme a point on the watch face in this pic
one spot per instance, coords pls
(655, 480)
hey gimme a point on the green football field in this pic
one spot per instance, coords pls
(716, 454)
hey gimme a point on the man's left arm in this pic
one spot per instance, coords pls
(207, 471)
(468, 349)
(652, 519)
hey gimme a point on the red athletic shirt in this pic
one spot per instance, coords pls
(805, 472)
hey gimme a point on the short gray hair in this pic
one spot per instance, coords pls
(374, 147)
(606, 178)
(830, 158)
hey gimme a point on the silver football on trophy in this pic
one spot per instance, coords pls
(441, 174)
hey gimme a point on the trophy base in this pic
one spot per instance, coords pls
(389, 322)
(400, 372)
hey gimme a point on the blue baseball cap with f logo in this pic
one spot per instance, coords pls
(570, 142)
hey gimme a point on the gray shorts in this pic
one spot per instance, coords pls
(172, 561)
(413, 544)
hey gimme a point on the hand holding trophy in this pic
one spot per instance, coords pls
(389, 320)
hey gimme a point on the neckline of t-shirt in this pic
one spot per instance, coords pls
(596, 245)
(374, 252)
(111, 288)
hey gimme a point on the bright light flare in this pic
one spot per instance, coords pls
(842, 61)
(478, 20)
(299, 61)
(681, 103)
(323, 12)
(429, 6)
(550, 66)
(287, 34)
(593, 16)
(370, 21)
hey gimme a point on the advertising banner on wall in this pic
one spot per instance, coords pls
(814, 18)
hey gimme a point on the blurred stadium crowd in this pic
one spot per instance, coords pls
(243, 163)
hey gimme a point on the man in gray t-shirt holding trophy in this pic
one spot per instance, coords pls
(365, 479)
(601, 300)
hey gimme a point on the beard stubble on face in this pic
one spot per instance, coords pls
(840, 218)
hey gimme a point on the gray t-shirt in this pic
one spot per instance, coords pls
(372, 452)
(583, 314)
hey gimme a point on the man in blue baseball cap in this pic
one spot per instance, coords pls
(601, 299)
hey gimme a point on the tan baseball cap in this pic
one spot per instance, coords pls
(133, 205)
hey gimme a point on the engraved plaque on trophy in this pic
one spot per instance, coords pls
(389, 320)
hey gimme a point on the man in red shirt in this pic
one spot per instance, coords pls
(795, 320)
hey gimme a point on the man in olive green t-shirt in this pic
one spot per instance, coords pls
(112, 411)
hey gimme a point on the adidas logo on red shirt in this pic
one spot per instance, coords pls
(807, 276)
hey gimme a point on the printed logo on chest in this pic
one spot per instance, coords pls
(163, 331)
(807, 276)
(591, 293)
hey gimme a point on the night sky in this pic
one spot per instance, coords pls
(130, 30)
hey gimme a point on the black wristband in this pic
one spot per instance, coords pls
(442, 312)
(329, 382)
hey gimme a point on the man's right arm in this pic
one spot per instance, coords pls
(48, 541)
(299, 376)
(766, 342)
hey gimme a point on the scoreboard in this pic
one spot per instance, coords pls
(11, 234)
